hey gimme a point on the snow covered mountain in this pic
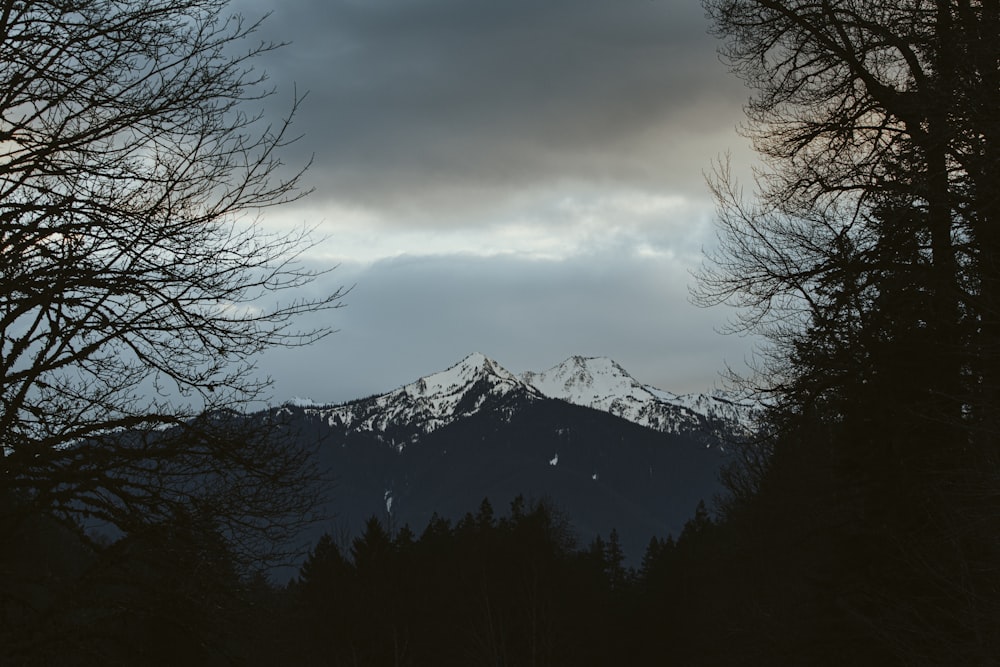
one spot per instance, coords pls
(608, 450)
(439, 399)
(433, 401)
(602, 384)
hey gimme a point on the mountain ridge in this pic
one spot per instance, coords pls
(610, 451)
(440, 398)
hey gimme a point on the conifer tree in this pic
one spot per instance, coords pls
(868, 259)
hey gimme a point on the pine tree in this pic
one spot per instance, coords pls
(869, 259)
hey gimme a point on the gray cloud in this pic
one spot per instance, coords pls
(432, 108)
(532, 169)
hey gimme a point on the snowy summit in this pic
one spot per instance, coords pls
(441, 398)
(602, 384)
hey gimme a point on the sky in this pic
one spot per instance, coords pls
(523, 179)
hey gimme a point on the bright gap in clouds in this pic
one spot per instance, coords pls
(552, 226)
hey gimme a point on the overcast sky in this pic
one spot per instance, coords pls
(520, 178)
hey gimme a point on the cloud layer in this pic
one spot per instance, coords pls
(520, 178)
(430, 110)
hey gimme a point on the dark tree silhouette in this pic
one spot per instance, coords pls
(136, 283)
(868, 259)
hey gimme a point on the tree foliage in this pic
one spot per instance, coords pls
(137, 286)
(871, 230)
(868, 257)
(130, 166)
(486, 590)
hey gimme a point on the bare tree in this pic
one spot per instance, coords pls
(136, 281)
(873, 121)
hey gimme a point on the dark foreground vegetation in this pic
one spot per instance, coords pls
(861, 527)
(782, 580)
(513, 589)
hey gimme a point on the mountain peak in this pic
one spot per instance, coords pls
(478, 382)
(435, 400)
(584, 379)
(601, 383)
(474, 367)
(479, 362)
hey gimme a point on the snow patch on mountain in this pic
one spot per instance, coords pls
(602, 384)
(432, 401)
(436, 400)
(300, 402)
